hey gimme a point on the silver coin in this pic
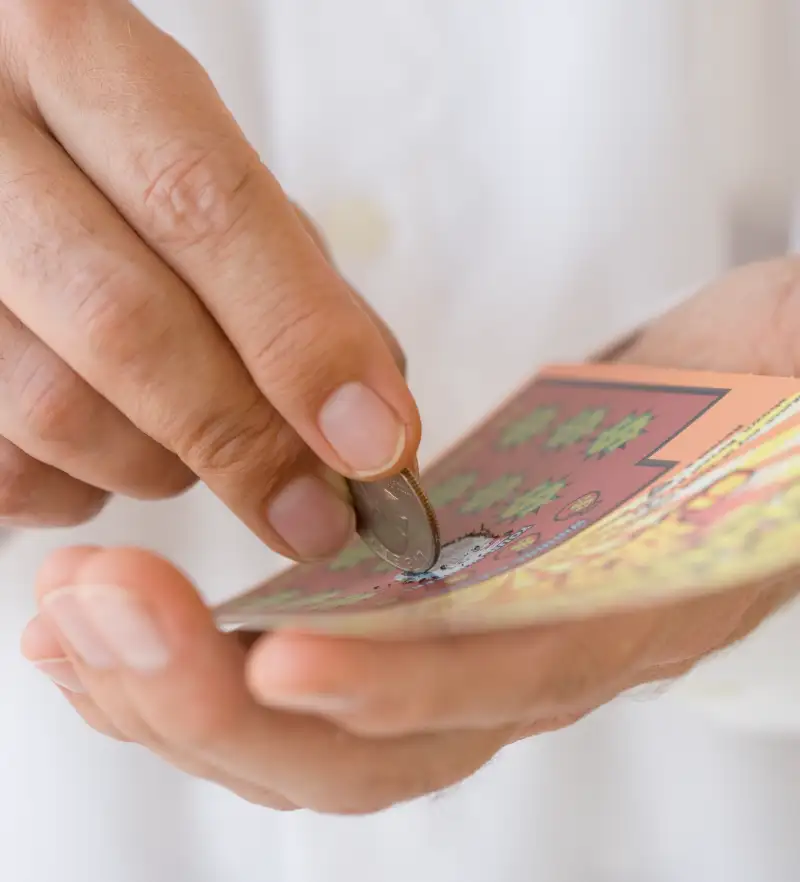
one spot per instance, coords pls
(395, 519)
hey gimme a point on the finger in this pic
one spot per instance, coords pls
(108, 307)
(747, 322)
(61, 672)
(458, 682)
(41, 644)
(179, 169)
(470, 681)
(35, 494)
(488, 680)
(139, 634)
(45, 409)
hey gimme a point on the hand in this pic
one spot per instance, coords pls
(355, 726)
(164, 313)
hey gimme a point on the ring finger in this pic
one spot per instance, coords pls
(49, 412)
(33, 493)
(112, 716)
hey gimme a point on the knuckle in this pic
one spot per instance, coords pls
(53, 402)
(237, 444)
(18, 481)
(311, 326)
(195, 197)
(112, 314)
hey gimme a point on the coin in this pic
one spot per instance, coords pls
(396, 521)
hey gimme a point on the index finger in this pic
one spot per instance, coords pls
(142, 119)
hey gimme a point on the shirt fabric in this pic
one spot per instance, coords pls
(508, 183)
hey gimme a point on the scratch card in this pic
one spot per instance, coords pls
(594, 487)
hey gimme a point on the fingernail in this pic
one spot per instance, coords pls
(363, 430)
(61, 672)
(311, 518)
(107, 627)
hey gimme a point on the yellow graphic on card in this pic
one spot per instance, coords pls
(734, 523)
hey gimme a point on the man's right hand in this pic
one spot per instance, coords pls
(164, 312)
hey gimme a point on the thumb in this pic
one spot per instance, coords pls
(746, 322)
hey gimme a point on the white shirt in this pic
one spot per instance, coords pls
(509, 183)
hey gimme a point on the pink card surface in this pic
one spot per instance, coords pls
(594, 487)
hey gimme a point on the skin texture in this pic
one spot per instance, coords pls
(349, 726)
(157, 286)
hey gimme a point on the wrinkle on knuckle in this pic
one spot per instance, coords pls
(195, 197)
(18, 480)
(26, 206)
(235, 444)
(304, 325)
(292, 324)
(53, 402)
(113, 315)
